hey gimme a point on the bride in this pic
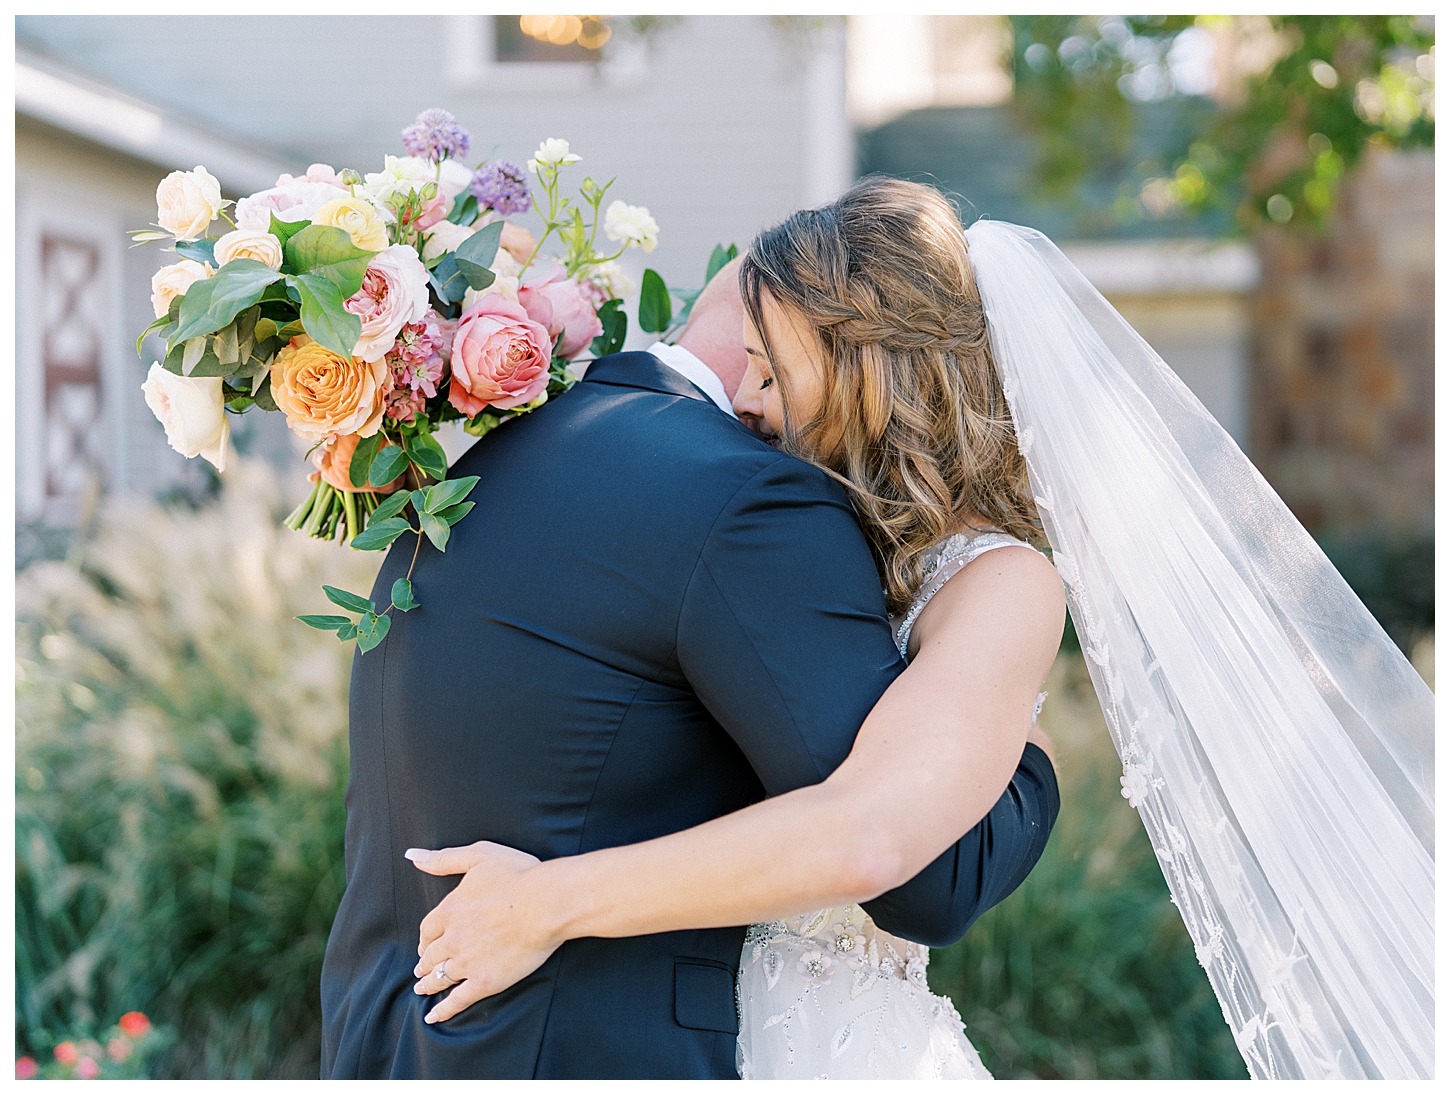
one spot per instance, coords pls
(976, 396)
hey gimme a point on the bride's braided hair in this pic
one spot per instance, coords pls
(913, 421)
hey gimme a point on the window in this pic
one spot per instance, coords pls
(549, 38)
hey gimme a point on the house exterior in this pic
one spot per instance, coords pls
(720, 125)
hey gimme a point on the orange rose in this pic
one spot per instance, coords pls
(323, 394)
(333, 461)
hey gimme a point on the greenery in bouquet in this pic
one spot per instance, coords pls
(370, 310)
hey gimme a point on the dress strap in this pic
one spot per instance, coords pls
(954, 553)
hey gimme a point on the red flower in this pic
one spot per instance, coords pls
(134, 1024)
(87, 1069)
(67, 1054)
(26, 1068)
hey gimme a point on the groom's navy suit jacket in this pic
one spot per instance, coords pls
(650, 619)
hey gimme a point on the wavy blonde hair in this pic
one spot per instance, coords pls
(913, 421)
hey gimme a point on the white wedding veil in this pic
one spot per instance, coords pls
(1277, 745)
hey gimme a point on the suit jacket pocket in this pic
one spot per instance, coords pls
(705, 996)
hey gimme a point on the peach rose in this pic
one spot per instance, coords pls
(500, 357)
(323, 394)
(333, 461)
(173, 281)
(356, 217)
(518, 241)
(260, 247)
(188, 201)
(563, 306)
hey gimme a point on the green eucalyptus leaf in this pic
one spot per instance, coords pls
(224, 345)
(152, 328)
(211, 365)
(323, 317)
(719, 258)
(654, 303)
(442, 495)
(403, 595)
(202, 250)
(192, 351)
(172, 362)
(454, 514)
(350, 601)
(348, 632)
(362, 459)
(263, 394)
(379, 534)
(447, 280)
(475, 255)
(465, 208)
(387, 465)
(371, 630)
(324, 251)
(390, 506)
(211, 304)
(435, 528)
(326, 623)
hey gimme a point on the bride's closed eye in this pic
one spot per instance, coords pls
(767, 382)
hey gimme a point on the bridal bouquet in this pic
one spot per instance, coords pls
(371, 309)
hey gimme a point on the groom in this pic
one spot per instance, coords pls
(653, 619)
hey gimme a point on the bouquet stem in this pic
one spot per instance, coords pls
(298, 517)
(349, 501)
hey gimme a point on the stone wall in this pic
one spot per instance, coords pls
(1343, 357)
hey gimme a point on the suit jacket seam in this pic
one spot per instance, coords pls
(700, 563)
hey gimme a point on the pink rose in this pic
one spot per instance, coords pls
(394, 293)
(500, 357)
(87, 1069)
(296, 200)
(563, 306)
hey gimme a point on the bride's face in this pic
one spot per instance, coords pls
(796, 365)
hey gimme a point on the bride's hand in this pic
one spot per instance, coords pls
(481, 929)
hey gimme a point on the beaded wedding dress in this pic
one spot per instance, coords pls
(827, 994)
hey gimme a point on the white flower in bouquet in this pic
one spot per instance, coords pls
(294, 200)
(552, 152)
(191, 409)
(400, 175)
(610, 281)
(244, 243)
(453, 178)
(631, 225)
(173, 281)
(188, 201)
(394, 293)
(445, 236)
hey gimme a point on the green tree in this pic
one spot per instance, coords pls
(1279, 140)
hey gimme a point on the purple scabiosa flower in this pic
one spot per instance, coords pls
(436, 135)
(502, 187)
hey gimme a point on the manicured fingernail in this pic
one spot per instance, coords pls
(414, 854)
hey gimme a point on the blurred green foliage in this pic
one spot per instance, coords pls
(1087, 972)
(180, 766)
(1299, 100)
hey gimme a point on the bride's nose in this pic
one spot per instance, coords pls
(749, 402)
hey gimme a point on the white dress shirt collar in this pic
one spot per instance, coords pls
(695, 371)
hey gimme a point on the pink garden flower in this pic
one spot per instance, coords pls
(415, 367)
(67, 1053)
(563, 306)
(87, 1069)
(134, 1024)
(26, 1068)
(500, 357)
(394, 293)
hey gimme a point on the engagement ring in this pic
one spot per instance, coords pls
(440, 971)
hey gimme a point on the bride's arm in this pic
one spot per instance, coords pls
(930, 761)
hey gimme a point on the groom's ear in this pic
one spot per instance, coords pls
(714, 333)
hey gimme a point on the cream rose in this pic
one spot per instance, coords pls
(191, 409)
(356, 217)
(323, 394)
(188, 201)
(443, 237)
(173, 281)
(394, 292)
(260, 247)
(505, 281)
